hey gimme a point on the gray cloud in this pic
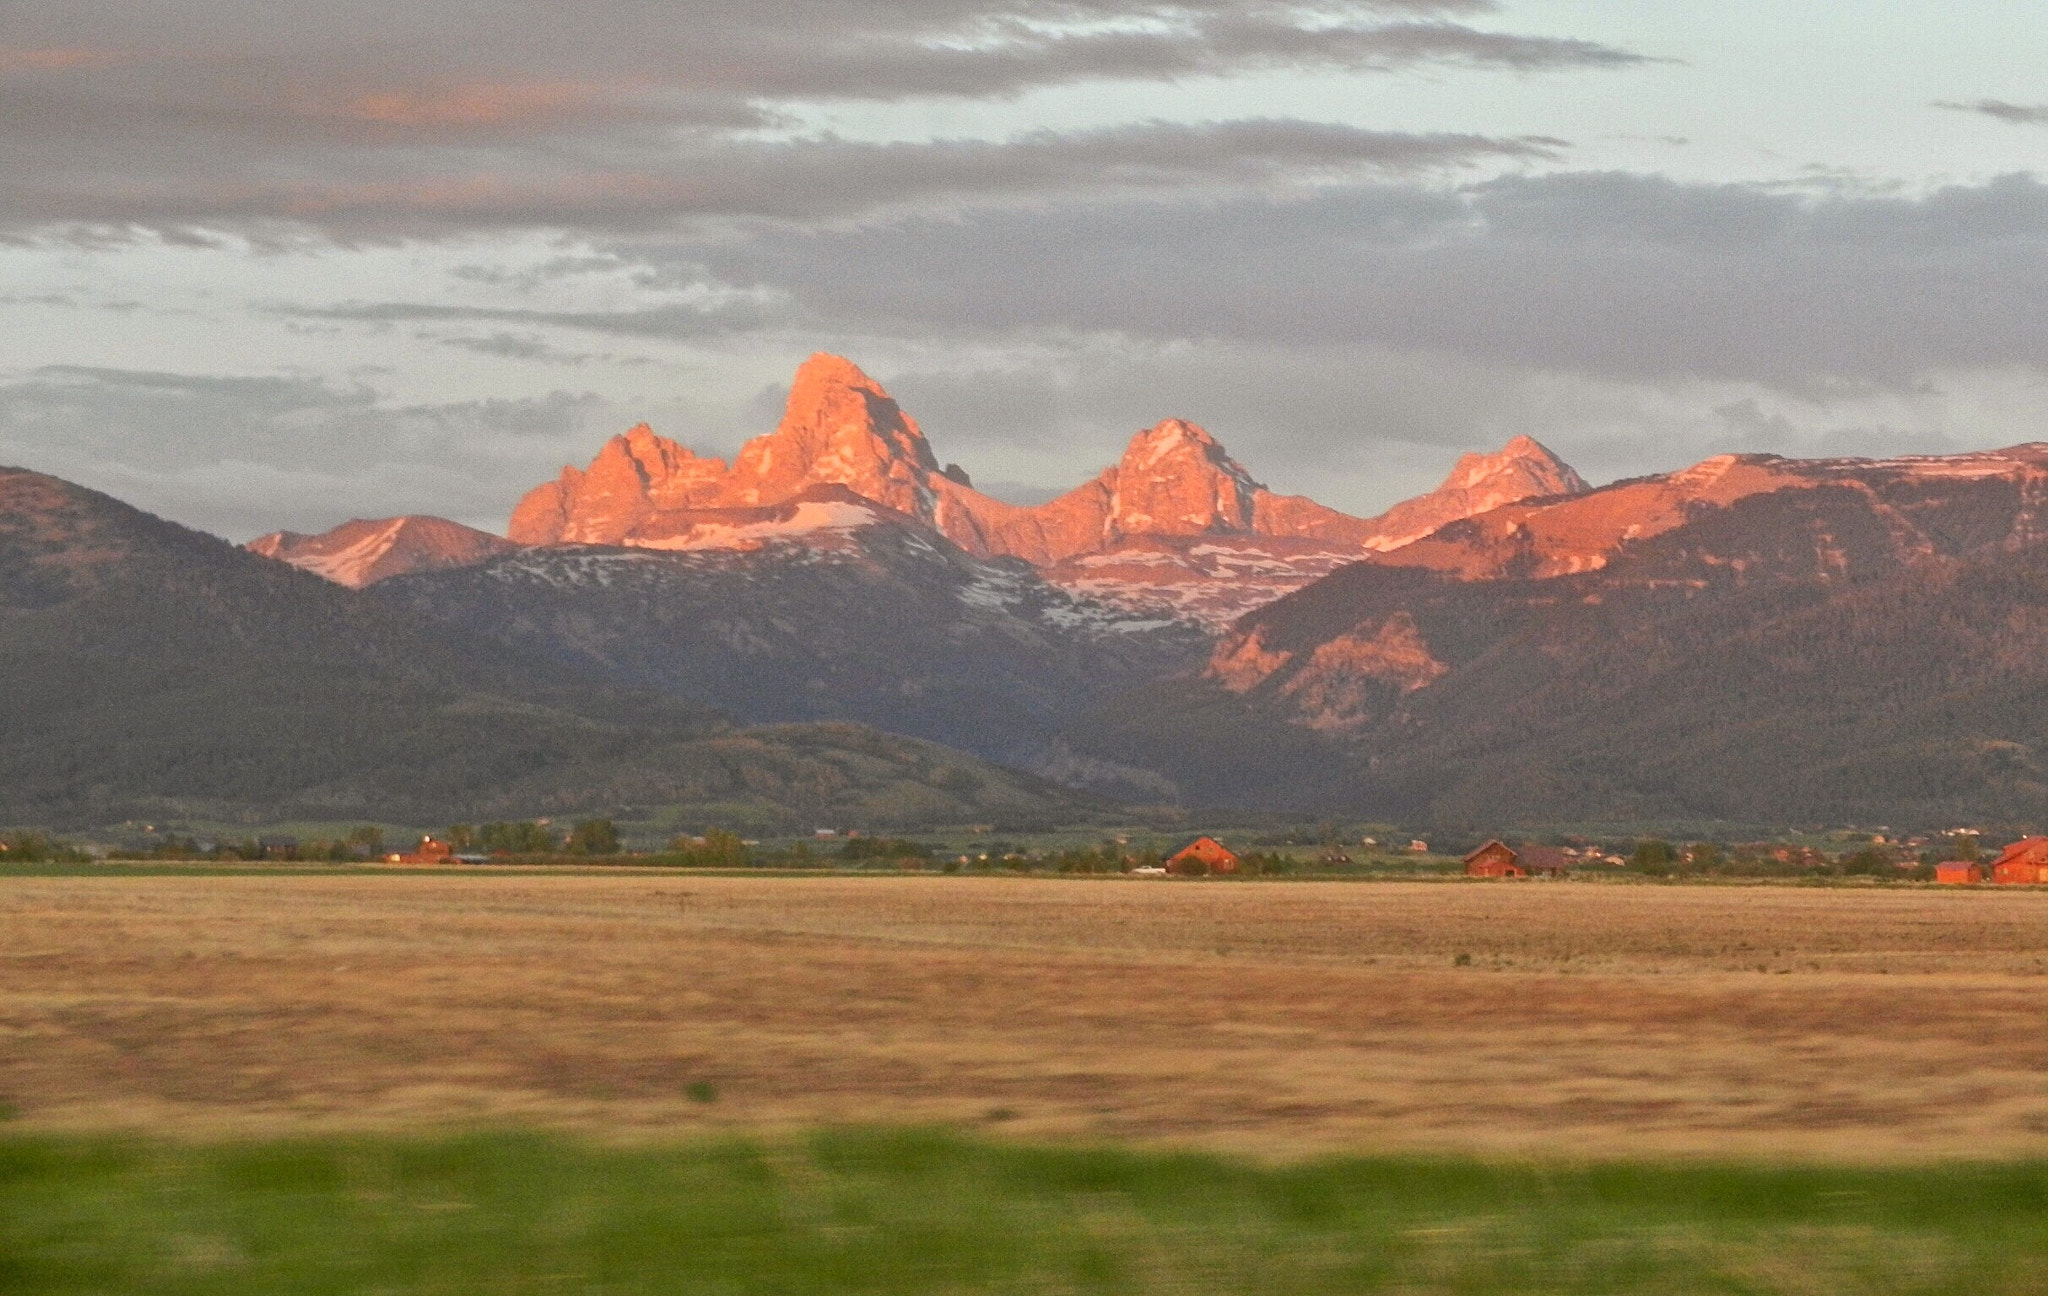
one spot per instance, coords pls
(1623, 275)
(516, 346)
(824, 179)
(243, 455)
(2012, 113)
(631, 114)
(677, 322)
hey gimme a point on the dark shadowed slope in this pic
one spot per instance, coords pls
(154, 671)
(826, 607)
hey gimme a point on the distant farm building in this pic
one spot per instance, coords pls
(1542, 861)
(2022, 863)
(429, 851)
(1494, 860)
(1203, 855)
(1958, 873)
(1497, 859)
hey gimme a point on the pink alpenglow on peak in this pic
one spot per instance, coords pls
(633, 476)
(1524, 469)
(364, 552)
(1174, 480)
(839, 428)
(1143, 522)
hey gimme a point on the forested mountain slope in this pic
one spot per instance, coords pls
(826, 607)
(1832, 641)
(153, 671)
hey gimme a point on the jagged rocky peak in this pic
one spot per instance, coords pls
(1523, 469)
(633, 475)
(1176, 479)
(1174, 485)
(839, 426)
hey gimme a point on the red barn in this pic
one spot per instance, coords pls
(1494, 860)
(1958, 873)
(1202, 855)
(2022, 863)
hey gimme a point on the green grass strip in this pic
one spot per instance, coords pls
(899, 1212)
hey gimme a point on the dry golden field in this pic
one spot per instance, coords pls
(1573, 1019)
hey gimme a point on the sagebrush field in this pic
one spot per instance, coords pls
(1556, 1019)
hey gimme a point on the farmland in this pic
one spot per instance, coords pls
(1565, 1020)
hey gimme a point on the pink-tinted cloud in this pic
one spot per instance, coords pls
(426, 116)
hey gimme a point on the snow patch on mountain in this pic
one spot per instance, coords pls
(806, 521)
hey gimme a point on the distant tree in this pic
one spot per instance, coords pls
(369, 838)
(1704, 856)
(1964, 847)
(462, 837)
(518, 839)
(594, 837)
(1868, 862)
(717, 849)
(1652, 853)
(29, 848)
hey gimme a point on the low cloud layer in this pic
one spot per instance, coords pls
(1602, 274)
(2011, 113)
(241, 455)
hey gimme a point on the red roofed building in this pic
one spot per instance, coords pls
(2022, 863)
(1958, 873)
(1494, 860)
(1203, 855)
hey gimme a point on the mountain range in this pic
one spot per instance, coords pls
(1753, 638)
(154, 672)
(1176, 525)
(835, 571)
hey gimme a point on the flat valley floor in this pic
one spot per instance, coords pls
(1555, 1019)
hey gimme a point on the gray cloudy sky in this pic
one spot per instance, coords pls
(278, 263)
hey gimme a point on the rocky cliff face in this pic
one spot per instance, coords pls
(1176, 521)
(1524, 469)
(362, 552)
(839, 428)
(1174, 480)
